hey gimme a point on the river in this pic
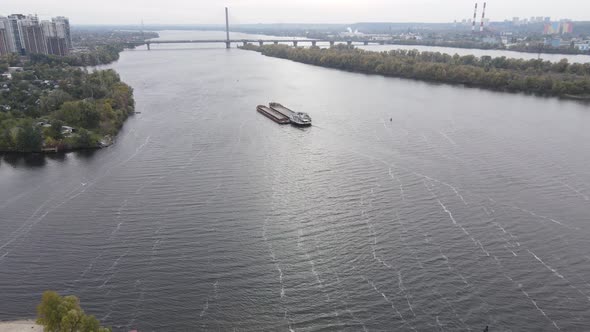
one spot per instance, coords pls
(407, 206)
(572, 58)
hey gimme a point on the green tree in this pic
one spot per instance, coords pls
(53, 100)
(64, 314)
(85, 139)
(55, 129)
(29, 138)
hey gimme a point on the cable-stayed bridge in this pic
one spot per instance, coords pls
(228, 41)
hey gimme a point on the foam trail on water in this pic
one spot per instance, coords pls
(288, 321)
(452, 309)
(382, 262)
(537, 306)
(581, 194)
(447, 211)
(403, 289)
(399, 314)
(274, 258)
(545, 265)
(394, 176)
(447, 137)
(205, 307)
(559, 275)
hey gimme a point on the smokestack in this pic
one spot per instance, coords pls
(474, 18)
(483, 16)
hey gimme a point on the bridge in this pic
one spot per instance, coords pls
(228, 42)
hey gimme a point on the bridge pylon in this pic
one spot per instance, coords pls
(227, 42)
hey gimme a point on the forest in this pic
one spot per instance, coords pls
(562, 79)
(60, 107)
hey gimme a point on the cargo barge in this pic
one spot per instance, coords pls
(273, 114)
(297, 118)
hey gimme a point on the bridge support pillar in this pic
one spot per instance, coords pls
(260, 42)
(148, 46)
(276, 42)
(366, 42)
(331, 43)
(349, 42)
(227, 44)
(295, 43)
(313, 42)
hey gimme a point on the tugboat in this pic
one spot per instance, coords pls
(300, 119)
(297, 118)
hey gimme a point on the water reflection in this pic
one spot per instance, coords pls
(37, 160)
(31, 160)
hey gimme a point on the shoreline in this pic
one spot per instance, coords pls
(22, 325)
(426, 44)
(521, 77)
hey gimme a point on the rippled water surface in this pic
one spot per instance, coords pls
(407, 206)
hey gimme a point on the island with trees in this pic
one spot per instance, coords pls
(561, 79)
(54, 106)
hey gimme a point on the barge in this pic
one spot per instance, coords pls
(272, 114)
(297, 118)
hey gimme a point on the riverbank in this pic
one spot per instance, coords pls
(497, 47)
(537, 77)
(28, 325)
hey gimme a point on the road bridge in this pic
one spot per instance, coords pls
(228, 42)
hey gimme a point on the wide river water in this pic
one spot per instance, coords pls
(408, 206)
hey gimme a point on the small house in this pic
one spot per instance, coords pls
(67, 130)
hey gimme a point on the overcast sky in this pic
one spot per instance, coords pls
(289, 11)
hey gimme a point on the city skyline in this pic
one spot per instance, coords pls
(305, 11)
(27, 34)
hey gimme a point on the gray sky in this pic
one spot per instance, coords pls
(293, 11)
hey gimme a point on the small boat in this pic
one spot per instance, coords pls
(300, 119)
(297, 118)
(272, 114)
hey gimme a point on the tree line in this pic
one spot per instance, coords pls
(99, 55)
(505, 74)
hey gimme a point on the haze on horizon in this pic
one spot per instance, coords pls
(301, 11)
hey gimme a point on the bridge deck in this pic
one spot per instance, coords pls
(200, 41)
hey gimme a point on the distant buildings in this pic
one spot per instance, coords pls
(558, 28)
(583, 46)
(27, 35)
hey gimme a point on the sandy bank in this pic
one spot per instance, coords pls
(20, 326)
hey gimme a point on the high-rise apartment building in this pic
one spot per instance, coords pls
(62, 26)
(33, 37)
(7, 36)
(57, 46)
(16, 32)
(56, 33)
(27, 35)
(3, 42)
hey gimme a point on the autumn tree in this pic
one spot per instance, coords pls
(63, 314)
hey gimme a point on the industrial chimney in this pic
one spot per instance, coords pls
(474, 18)
(483, 16)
